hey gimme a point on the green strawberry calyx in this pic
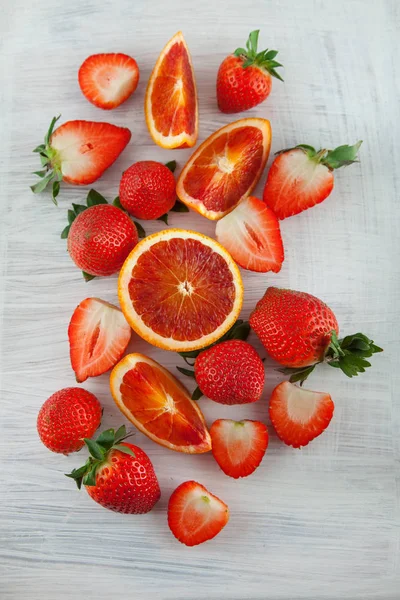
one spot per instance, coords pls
(348, 354)
(264, 59)
(99, 450)
(342, 156)
(51, 166)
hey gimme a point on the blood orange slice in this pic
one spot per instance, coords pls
(225, 168)
(159, 405)
(180, 290)
(171, 97)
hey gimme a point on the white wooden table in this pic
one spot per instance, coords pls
(320, 523)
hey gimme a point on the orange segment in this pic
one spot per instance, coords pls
(180, 290)
(171, 97)
(225, 168)
(159, 405)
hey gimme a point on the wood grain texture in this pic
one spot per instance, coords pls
(321, 523)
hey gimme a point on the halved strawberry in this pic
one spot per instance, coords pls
(98, 336)
(194, 514)
(298, 415)
(78, 152)
(238, 446)
(252, 236)
(107, 80)
(301, 177)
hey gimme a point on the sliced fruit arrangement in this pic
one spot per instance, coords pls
(238, 446)
(225, 168)
(100, 236)
(78, 152)
(195, 515)
(171, 97)
(301, 177)
(299, 415)
(98, 336)
(107, 80)
(228, 373)
(66, 418)
(300, 331)
(147, 190)
(180, 290)
(159, 405)
(245, 77)
(118, 475)
(252, 235)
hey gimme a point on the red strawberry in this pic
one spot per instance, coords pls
(78, 152)
(298, 415)
(230, 373)
(195, 515)
(238, 446)
(301, 177)
(67, 417)
(252, 236)
(107, 80)
(147, 189)
(244, 77)
(99, 238)
(299, 330)
(118, 475)
(98, 336)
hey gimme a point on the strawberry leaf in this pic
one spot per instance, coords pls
(40, 148)
(124, 449)
(40, 173)
(264, 59)
(179, 207)
(88, 276)
(163, 218)
(140, 230)
(197, 394)
(341, 156)
(106, 439)
(78, 208)
(94, 198)
(117, 202)
(171, 165)
(95, 449)
(120, 434)
(50, 130)
(186, 372)
(65, 232)
(55, 191)
(299, 374)
(42, 184)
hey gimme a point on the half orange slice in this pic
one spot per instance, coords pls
(159, 405)
(225, 168)
(180, 290)
(171, 97)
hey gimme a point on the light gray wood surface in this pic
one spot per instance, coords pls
(320, 523)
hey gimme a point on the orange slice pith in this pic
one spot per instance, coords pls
(171, 97)
(225, 168)
(159, 405)
(180, 290)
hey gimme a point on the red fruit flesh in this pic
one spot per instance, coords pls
(67, 417)
(238, 446)
(107, 80)
(100, 239)
(195, 515)
(294, 327)
(252, 236)
(126, 484)
(296, 182)
(230, 373)
(299, 415)
(98, 336)
(241, 88)
(147, 190)
(84, 149)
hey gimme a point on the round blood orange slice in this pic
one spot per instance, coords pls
(159, 405)
(171, 97)
(225, 168)
(180, 290)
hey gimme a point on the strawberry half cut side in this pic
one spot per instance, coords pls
(98, 336)
(251, 234)
(238, 446)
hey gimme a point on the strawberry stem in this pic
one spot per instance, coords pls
(264, 59)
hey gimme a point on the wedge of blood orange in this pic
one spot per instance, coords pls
(159, 405)
(225, 168)
(171, 97)
(180, 290)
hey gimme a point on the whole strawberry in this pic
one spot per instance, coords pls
(298, 330)
(66, 418)
(100, 236)
(230, 373)
(147, 189)
(118, 475)
(244, 77)
(301, 177)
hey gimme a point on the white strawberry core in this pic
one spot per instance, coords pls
(302, 404)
